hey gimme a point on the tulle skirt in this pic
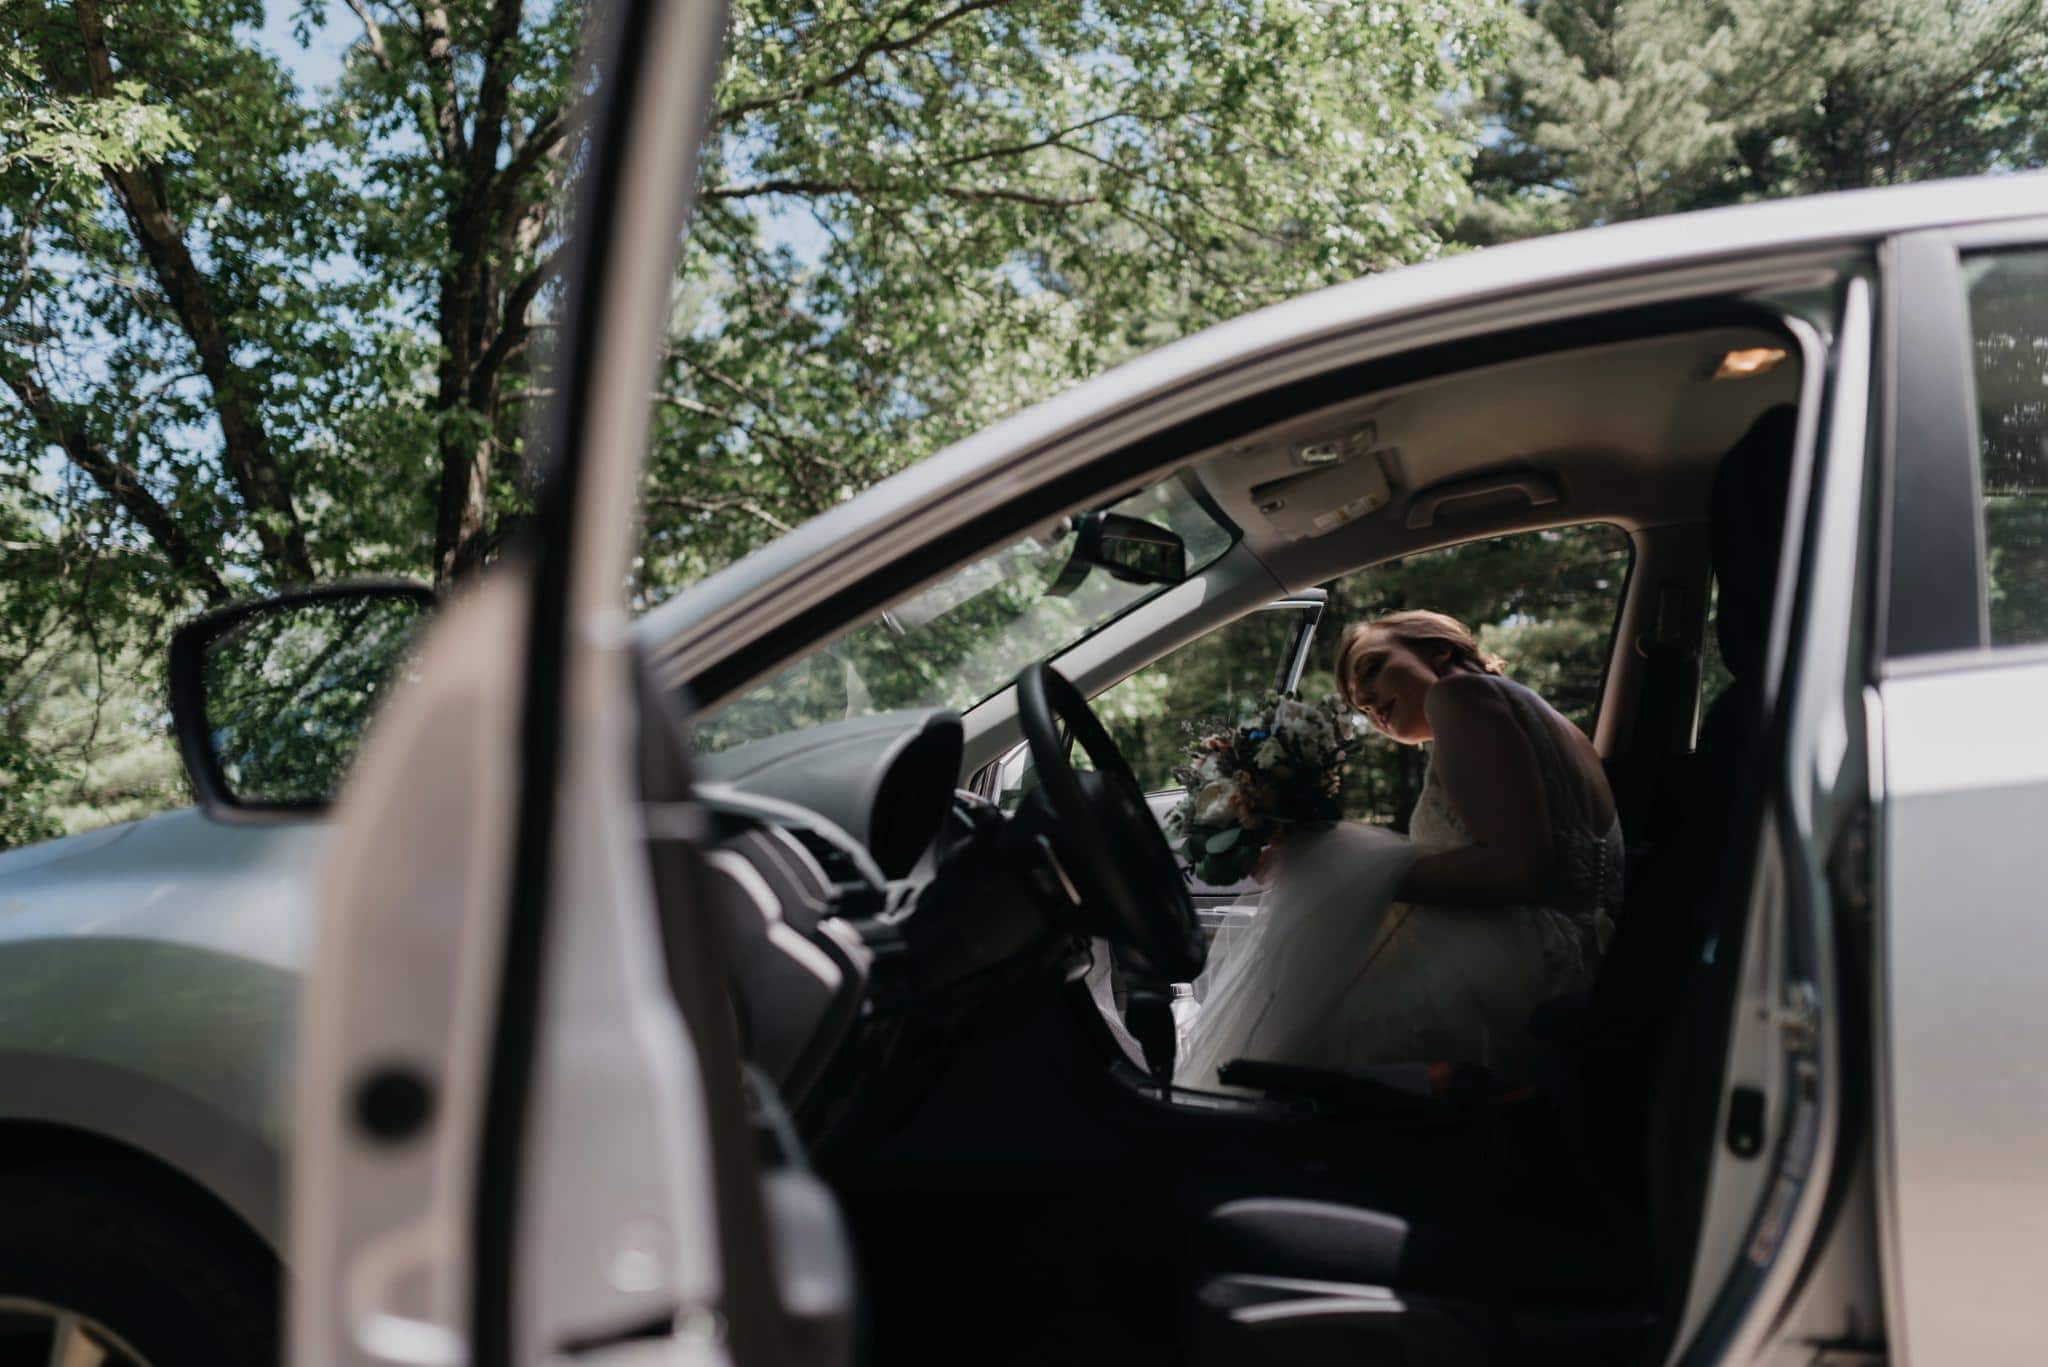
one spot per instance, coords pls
(1332, 972)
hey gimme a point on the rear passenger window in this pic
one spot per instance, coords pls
(1544, 601)
(2009, 326)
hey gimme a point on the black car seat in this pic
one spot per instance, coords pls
(1667, 927)
(1313, 1282)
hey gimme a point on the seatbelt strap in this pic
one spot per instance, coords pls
(1666, 701)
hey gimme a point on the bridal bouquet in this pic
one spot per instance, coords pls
(1278, 766)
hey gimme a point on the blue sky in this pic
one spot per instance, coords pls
(318, 63)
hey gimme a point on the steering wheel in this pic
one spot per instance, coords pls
(1104, 834)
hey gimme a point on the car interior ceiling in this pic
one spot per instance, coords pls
(1630, 433)
(1017, 1190)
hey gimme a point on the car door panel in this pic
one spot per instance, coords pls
(1963, 795)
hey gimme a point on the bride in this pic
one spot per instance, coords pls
(1368, 948)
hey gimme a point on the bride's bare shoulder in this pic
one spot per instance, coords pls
(1461, 697)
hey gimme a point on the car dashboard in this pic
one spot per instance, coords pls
(885, 780)
(863, 897)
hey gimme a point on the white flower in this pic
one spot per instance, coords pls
(1177, 819)
(1211, 768)
(1309, 727)
(1291, 713)
(1270, 753)
(1213, 803)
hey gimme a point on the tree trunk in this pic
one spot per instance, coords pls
(262, 482)
(475, 316)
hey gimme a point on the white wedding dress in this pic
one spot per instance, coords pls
(1331, 972)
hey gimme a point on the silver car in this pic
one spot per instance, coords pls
(1793, 1121)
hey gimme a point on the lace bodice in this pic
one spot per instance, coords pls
(1587, 856)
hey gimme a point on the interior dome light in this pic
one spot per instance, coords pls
(1744, 362)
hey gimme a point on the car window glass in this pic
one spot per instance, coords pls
(2008, 293)
(965, 637)
(1154, 715)
(1545, 602)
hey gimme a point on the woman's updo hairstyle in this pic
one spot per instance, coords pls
(1423, 632)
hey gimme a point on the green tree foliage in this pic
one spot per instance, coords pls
(254, 334)
(290, 691)
(250, 334)
(919, 216)
(91, 710)
(2009, 323)
(1615, 109)
(1156, 714)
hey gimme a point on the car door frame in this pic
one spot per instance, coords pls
(1766, 1209)
(584, 737)
(1948, 1091)
(489, 968)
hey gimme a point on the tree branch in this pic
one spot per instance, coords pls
(494, 91)
(373, 34)
(513, 333)
(970, 194)
(700, 408)
(874, 48)
(1151, 183)
(736, 503)
(258, 477)
(121, 483)
(438, 49)
(544, 137)
(1053, 139)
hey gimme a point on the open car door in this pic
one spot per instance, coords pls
(1963, 764)
(522, 1132)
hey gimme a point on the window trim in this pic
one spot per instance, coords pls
(2029, 239)
(1932, 529)
(1614, 641)
(1621, 600)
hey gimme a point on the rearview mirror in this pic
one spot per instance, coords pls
(1130, 548)
(270, 698)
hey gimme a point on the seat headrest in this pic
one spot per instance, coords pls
(1748, 533)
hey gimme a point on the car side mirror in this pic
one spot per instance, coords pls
(1130, 548)
(270, 698)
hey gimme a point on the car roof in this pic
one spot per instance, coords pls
(697, 620)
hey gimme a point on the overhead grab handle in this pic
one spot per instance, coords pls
(1534, 486)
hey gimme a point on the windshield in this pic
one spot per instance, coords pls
(964, 638)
